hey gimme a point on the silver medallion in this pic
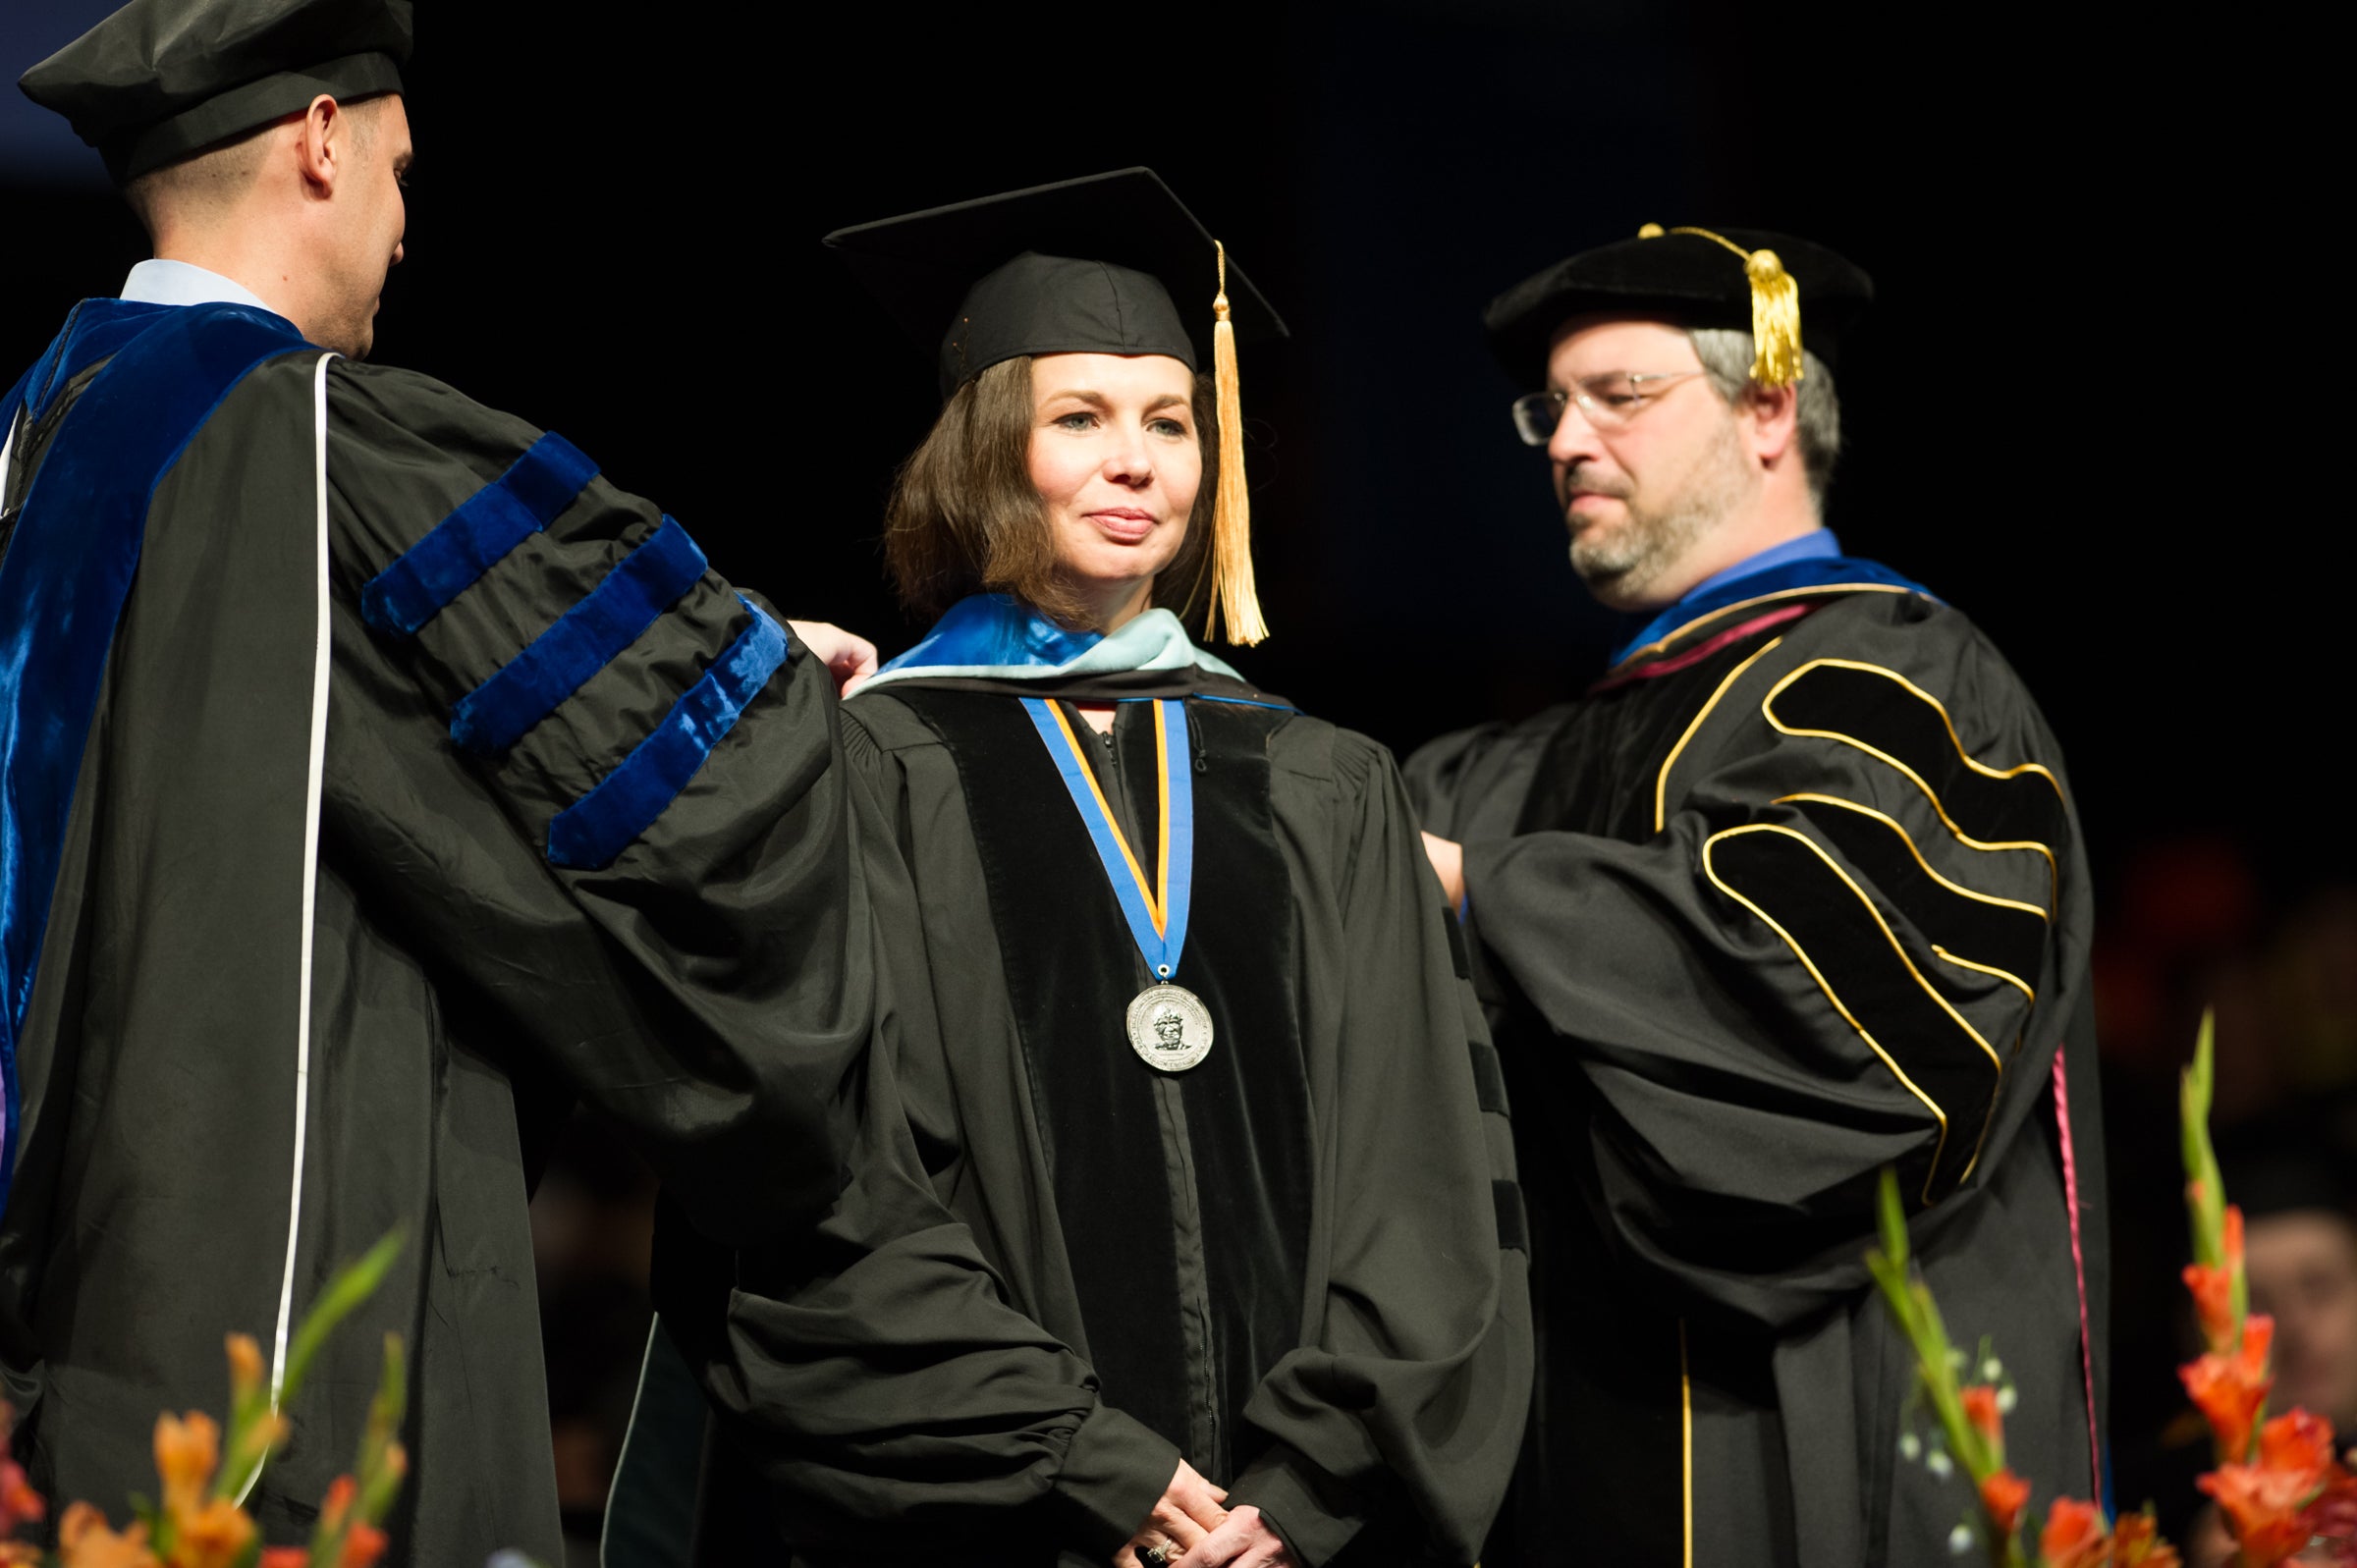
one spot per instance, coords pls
(1170, 1028)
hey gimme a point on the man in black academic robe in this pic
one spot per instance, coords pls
(1793, 894)
(381, 781)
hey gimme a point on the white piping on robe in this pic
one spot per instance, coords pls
(629, 1430)
(322, 640)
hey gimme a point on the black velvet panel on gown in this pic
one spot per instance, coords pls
(1182, 1198)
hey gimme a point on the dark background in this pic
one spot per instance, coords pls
(2093, 407)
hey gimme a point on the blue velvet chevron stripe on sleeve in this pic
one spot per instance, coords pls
(495, 519)
(526, 689)
(589, 834)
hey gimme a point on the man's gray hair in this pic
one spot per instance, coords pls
(1726, 353)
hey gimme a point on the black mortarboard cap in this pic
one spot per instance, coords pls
(1696, 278)
(162, 79)
(1112, 263)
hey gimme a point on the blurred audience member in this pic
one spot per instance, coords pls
(2192, 926)
(2300, 1256)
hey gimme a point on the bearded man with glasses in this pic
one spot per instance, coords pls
(1793, 895)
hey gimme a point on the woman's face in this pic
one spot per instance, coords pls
(1114, 458)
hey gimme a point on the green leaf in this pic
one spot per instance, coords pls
(2205, 1197)
(1935, 1359)
(380, 1481)
(353, 1284)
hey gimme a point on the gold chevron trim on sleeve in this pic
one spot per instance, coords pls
(2029, 991)
(1768, 711)
(1817, 975)
(1661, 782)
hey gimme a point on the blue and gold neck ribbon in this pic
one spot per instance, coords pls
(1156, 911)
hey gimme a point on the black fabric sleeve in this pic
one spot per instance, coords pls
(599, 789)
(1406, 1403)
(894, 1400)
(1854, 942)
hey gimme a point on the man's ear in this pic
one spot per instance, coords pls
(323, 145)
(1770, 417)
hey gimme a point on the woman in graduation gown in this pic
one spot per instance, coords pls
(1185, 1229)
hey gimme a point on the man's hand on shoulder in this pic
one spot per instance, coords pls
(848, 657)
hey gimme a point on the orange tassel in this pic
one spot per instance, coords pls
(1232, 586)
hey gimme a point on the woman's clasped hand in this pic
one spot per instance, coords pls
(1189, 1528)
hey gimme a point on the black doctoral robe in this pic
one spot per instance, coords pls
(581, 832)
(1057, 1270)
(1795, 893)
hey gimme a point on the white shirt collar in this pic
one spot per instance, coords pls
(181, 283)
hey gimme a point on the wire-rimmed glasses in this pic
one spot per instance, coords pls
(1608, 400)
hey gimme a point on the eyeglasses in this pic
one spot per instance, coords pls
(1608, 402)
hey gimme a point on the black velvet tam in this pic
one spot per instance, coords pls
(1681, 277)
(1112, 263)
(162, 79)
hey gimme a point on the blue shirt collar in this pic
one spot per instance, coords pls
(1819, 544)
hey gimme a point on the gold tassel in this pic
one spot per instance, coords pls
(1232, 510)
(1776, 359)
(1775, 320)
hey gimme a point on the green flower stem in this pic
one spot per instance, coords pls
(351, 1286)
(2205, 1196)
(1910, 1302)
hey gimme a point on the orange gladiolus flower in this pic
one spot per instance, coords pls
(2263, 1506)
(214, 1535)
(286, 1557)
(1980, 1408)
(84, 1542)
(2214, 1288)
(244, 1364)
(338, 1501)
(2230, 1387)
(2074, 1536)
(185, 1453)
(2298, 1444)
(2136, 1544)
(362, 1546)
(20, 1504)
(2003, 1495)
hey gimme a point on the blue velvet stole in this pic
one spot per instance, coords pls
(1815, 572)
(994, 636)
(67, 570)
(993, 630)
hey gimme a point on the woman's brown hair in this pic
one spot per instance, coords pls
(964, 517)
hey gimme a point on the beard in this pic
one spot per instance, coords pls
(1622, 565)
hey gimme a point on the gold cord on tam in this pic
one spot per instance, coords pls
(1774, 308)
(1232, 510)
